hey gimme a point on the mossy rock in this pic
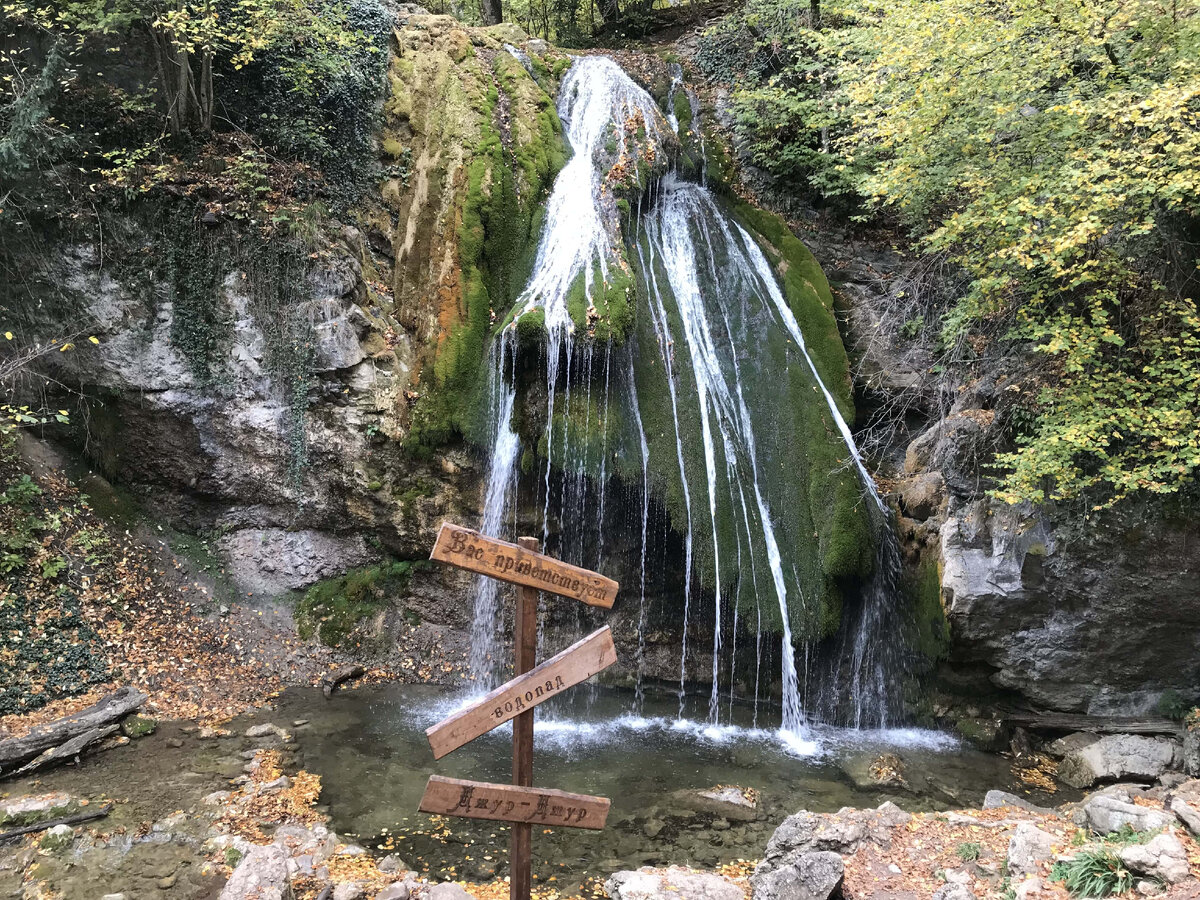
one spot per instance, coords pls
(138, 726)
(330, 609)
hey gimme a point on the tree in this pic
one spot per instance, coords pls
(490, 11)
(190, 37)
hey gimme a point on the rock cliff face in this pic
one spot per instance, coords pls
(1067, 610)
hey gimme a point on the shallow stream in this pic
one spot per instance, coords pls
(370, 749)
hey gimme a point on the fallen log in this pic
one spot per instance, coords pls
(109, 709)
(1098, 724)
(330, 680)
(76, 819)
(70, 750)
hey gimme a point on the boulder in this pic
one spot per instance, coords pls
(1191, 751)
(840, 832)
(1162, 857)
(921, 496)
(1027, 848)
(60, 837)
(729, 801)
(809, 876)
(1071, 743)
(26, 810)
(1104, 814)
(447, 891)
(401, 890)
(261, 875)
(1188, 814)
(999, 799)
(391, 864)
(1118, 756)
(674, 883)
(349, 890)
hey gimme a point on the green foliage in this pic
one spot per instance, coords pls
(968, 851)
(1095, 872)
(330, 609)
(1052, 153)
(1173, 705)
(200, 326)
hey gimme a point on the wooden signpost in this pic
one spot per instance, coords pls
(520, 803)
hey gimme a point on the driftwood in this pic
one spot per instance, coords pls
(14, 752)
(70, 750)
(1098, 724)
(76, 819)
(331, 680)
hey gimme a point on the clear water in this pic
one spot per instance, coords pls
(369, 747)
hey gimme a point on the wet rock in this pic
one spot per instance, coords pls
(1104, 814)
(809, 876)
(113, 897)
(953, 891)
(675, 882)
(58, 838)
(730, 801)
(1028, 847)
(262, 875)
(999, 799)
(267, 730)
(24, 810)
(391, 864)
(870, 770)
(1162, 857)
(1117, 756)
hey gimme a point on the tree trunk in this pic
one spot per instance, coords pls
(491, 12)
(109, 709)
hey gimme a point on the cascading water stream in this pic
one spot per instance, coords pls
(708, 290)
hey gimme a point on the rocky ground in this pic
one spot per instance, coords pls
(230, 812)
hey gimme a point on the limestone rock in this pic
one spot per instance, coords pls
(401, 890)
(953, 891)
(349, 890)
(1071, 743)
(23, 810)
(447, 891)
(921, 496)
(1104, 814)
(809, 876)
(261, 875)
(1188, 814)
(391, 864)
(1118, 756)
(1161, 857)
(1191, 751)
(1027, 847)
(999, 799)
(1031, 595)
(60, 837)
(674, 883)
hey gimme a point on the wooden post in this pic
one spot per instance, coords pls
(524, 659)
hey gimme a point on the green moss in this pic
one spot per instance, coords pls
(497, 238)
(330, 609)
(930, 630)
(683, 111)
(138, 726)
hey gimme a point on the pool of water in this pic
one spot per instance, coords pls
(369, 747)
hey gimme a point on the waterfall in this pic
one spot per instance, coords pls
(733, 375)
(497, 501)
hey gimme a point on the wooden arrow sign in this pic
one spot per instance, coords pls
(577, 663)
(475, 552)
(509, 803)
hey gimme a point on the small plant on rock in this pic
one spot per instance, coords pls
(968, 851)
(1096, 872)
